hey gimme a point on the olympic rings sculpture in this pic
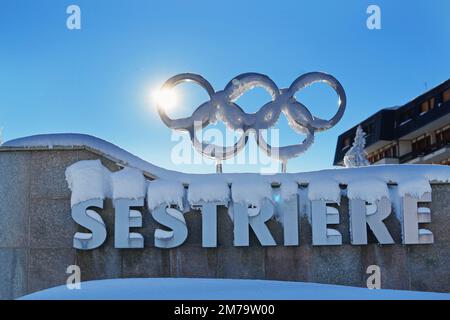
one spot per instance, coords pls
(222, 107)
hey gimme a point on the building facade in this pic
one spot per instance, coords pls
(417, 132)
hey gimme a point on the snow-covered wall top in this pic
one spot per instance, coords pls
(368, 182)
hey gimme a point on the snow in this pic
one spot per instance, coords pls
(88, 179)
(356, 156)
(208, 190)
(368, 190)
(288, 190)
(423, 210)
(165, 192)
(413, 180)
(251, 192)
(324, 189)
(74, 140)
(414, 185)
(221, 289)
(163, 234)
(128, 183)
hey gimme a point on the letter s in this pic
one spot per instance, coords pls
(90, 220)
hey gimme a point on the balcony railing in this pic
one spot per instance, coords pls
(414, 154)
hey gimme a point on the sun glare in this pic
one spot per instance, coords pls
(165, 98)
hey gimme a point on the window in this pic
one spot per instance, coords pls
(405, 117)
(443, 137)
(427, 106)
(347, 142)
(422, 145)
(446, 95)
(368, 129)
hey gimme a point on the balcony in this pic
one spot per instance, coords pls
(426, 155)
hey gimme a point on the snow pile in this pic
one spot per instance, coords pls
(324, 189)
(208, 190)
(250, 188)
(415, 186)
(165, 192)
(73, 140)
(88, 179)
(251, 192)
(288, 190)
(222, 289)
(371, 190)
(128, 183)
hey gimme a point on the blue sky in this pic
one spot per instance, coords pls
(98, 80)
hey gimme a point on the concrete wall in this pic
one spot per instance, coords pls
(36, 241)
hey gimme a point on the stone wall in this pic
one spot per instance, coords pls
(36, 232)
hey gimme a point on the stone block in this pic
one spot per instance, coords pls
(13, 273)
(241, 262)
(337, 265)
(429, 267)
(393, 263)
(48, 169)
(47, 267)
(51, 224)
(193, 261)
(148, 263)
(288, 263)
(14, 198)
(89, 155)
(440, 213)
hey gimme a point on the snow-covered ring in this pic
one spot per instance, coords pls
(222, 106)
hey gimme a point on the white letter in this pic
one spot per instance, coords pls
(322, 215)
(74, 20)
(173, 219)
(359, 217)
(126, 219)
(374, 20)
(242, 220)
(90, 220)
(209, 224)
(412, 216)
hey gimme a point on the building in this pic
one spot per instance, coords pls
(417, 132)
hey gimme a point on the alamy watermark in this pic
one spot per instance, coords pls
(183, 152)
(74, 280)
(374, 20)
(73, 21)
(374, 280)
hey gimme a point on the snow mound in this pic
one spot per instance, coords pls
(225, 289)
(371, 190)
(73, 140)
(251, 192)
(88, 179)
(128, 183)
(165, 192)
(208, 190)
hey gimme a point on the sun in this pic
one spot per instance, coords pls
(165, 98)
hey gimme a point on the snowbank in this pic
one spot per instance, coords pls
(226, 289)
